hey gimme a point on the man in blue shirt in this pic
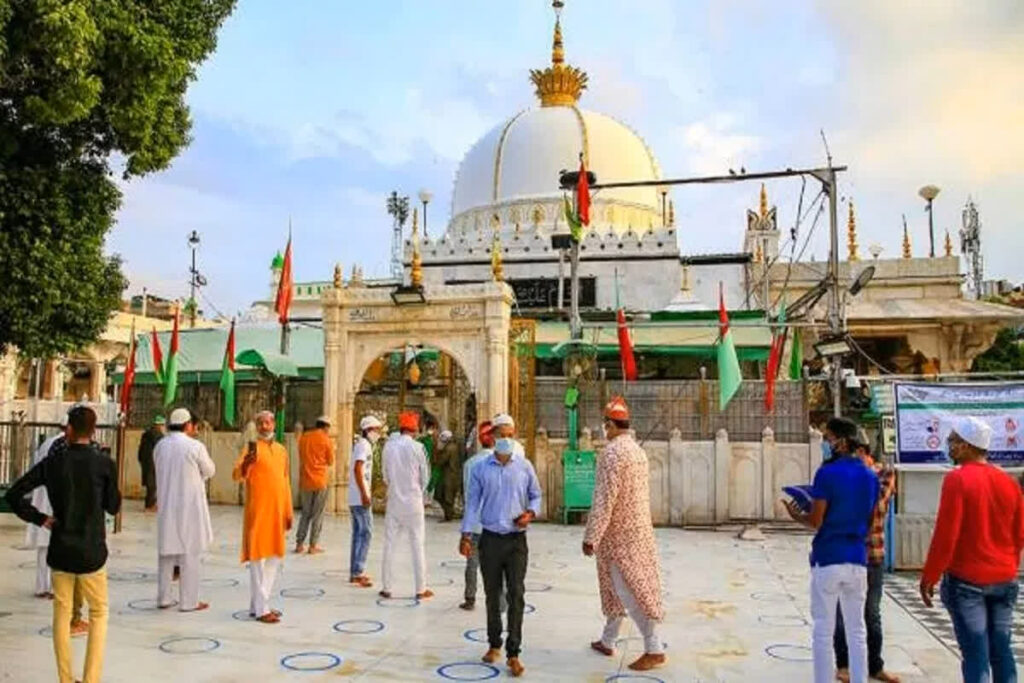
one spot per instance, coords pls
(503, 497)
(845, 492)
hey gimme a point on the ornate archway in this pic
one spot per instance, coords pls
(468, 322)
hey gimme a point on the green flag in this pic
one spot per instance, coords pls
(796, 356)
(227, 378)
(575, 227)
(171, 369)
(729, 376)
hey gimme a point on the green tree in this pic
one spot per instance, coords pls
(85, 86)
(1005, 355)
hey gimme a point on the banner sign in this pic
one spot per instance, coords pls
(925, 412)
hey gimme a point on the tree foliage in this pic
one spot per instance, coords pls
(1005, 355)
(83, 83)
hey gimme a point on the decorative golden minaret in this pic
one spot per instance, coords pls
(949, 245)
(758, 254)
(851, 236)
(497, 270)
(337, 276)
(671, 214)
(416, 275)
(559, 85)
(764, 202)
(906, 242)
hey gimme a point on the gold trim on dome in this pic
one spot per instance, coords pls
(499, 153)
(559, 85)
(586, 137)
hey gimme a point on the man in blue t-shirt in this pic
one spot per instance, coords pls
(844, 493)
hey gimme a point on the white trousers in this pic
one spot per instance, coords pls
(648, 627)
(188, 581)
(262, 576)
(846, 585)
(42, 572)
(395, 527)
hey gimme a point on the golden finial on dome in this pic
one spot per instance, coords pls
(559, 85)
(497, 270)
(906, 242)
(337, 276)
(764, 202)
(949, 245)
(671, 214)
(851, 235)
(416, 275)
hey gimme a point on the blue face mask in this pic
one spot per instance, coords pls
(826, 450)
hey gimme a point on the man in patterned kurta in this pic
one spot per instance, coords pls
(621, 534)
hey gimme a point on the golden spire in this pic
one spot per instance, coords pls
(416, 275)
(906, 242)
(337, 276)
(851, 235)
(496, 268)
(758, 253)
(949, 245)
(559, 85)
(764, 202)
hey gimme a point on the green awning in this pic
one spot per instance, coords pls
(752, 353)
(274, 363)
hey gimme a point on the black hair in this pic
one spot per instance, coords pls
(177, 428)
(843, 428)
(621, 424)
(82, 420)
(320, 424)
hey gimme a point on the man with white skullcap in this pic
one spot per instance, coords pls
(976, 549)
(360, 478)
(505, 428)
(316, 457)
(183, 528)
(448, 459)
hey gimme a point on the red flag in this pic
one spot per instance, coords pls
(772, 371)
(583, 194)
(626, 348)
(129, 376)
(723, 315)
(158, 358)
(284, 286)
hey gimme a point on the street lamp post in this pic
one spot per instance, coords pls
(193, 242)
(663, 189)
(425, 197)
(929, 193)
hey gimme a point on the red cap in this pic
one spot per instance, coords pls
(617, 409)
(409, 420)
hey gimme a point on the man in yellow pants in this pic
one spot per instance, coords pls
(81, 483)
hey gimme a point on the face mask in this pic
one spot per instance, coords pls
(826, 450)
(373, 437)
(604, 432)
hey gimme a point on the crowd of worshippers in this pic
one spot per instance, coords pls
(72, 486)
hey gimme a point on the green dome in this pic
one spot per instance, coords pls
(278, 262)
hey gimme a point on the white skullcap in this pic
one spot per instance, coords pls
(503, 419)
(446, 435)
(369, 422)
(325, 420)
(973, 431)
(505, 446)
(179, 416)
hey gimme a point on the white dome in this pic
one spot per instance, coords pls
(509, 178)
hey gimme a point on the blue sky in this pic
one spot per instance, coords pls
(314, 111)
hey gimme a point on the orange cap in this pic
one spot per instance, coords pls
(409, 420)
(617, 409)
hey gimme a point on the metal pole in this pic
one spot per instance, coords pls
(192, 288)
(425, 234)
(834, 321)
(575, 326)
(561, 280)
(931, 231)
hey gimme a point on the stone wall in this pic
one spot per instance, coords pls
(700, 482)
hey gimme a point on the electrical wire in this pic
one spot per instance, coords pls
(871, 360)
(792, 235)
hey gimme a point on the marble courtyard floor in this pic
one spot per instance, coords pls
(736, 611)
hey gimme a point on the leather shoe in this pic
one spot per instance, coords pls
(515, 667)
(648, 661)
(491, 656)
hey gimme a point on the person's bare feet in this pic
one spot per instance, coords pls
(425, 595)
(315, 550)
(843, 675)
(515, 667)
(299, 549)
(886, 677)
(602, 648)
(269, 618)
(362, 581)
(199, 607)
(385, 594)
(491, 656)
(44, 596)
(151, 508)
(648, 661)
(79, 628)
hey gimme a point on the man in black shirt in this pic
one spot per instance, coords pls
(147, 445)
(82, 485)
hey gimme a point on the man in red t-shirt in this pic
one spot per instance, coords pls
(976, 547)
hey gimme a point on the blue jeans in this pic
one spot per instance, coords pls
(982, 617)
(362, 531)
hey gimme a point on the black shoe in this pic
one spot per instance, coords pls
(468, 605)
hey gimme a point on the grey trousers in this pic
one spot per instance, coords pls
(312, 519)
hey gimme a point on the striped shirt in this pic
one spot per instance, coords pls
(876, 536)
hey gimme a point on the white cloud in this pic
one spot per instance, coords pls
(713, 145)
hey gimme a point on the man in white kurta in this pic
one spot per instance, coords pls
(406, 473)
(38, 537)
(184, 530)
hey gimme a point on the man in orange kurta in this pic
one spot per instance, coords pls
(621, 534)
(263, 466)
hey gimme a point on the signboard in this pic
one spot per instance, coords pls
(543, 292)
(578, 477)
(924, 415)
(888, 434)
